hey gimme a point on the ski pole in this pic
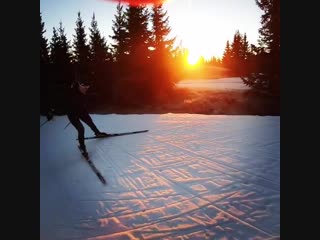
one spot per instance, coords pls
(67, 125)
(44, 123)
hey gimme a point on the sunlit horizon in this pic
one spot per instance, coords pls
(203, 26)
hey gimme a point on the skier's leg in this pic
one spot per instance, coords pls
(85, 117)
(75, 121)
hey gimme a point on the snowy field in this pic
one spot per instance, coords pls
(189, 177)
(235, 83)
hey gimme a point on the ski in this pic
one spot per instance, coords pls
(96, 171)
(116, 134)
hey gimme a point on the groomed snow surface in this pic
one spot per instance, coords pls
(189, 177)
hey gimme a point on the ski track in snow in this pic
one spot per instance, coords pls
(189, 177)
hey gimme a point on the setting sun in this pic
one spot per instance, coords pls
(193, 58)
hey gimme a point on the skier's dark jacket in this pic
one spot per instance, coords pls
(75, 101)
(66, 100)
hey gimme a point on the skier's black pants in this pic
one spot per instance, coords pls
(75, 118)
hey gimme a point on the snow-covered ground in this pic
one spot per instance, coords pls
(189, 177)
(234, 83)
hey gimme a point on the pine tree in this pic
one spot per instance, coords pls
(60, 47)
(54, 47)
(160, 31)
(44, 48)
(138, 34)
(81, 48)
(236, 52)
(244, 56)
(270, 29)
(245, 51)
(226, 59)
(44, 68)
(236, 55)
(60, 75)
(65, 46)
(120, 34)
(99, 52)
(162, 55)
(99, 60)
(266, 76)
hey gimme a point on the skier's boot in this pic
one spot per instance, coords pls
(101, 134)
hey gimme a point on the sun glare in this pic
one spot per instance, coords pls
(193, 58)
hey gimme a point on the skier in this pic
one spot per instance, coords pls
(76, 111)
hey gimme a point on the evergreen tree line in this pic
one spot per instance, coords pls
(141, 65)
(136, 68)
(237, 54)
(258, 66)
